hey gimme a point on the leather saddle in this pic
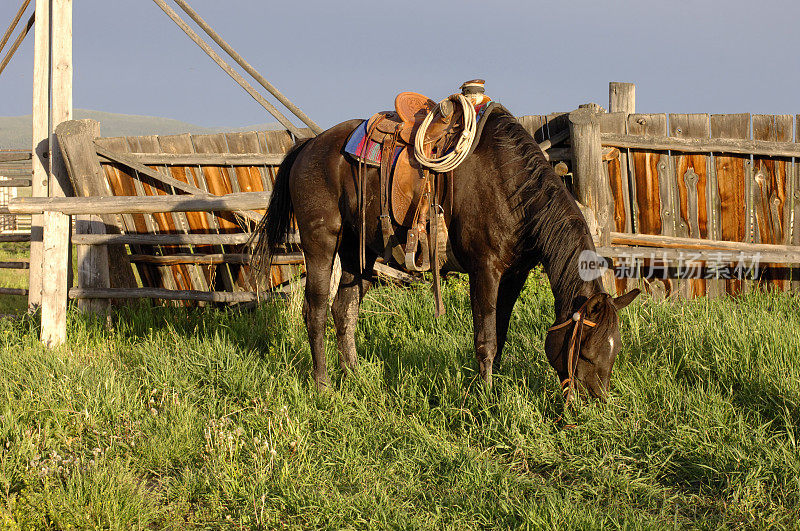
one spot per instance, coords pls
(411, 196)
(397, 130)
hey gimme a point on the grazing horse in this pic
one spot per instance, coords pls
(506, 212)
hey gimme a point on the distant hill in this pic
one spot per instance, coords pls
(15, 131)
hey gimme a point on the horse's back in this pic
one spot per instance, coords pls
(321, 175)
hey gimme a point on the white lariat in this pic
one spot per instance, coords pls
(451, 160)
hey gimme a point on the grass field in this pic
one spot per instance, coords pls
(208, 419)
(13, 278)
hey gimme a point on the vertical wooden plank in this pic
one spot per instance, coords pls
(649, 175)
(617, 173)
(93, 264)
(189, 222)
(692, 172)
(166, 223)
(55, 270)
(62, 90)
(40, 142)
(617, 170)
(652, 196)
(621, 97)
(535, 125)
(731, 173)
(771, 195)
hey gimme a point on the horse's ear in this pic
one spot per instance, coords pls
(594, 304)
(624, 300)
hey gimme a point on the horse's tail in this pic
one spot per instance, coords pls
(271, 231)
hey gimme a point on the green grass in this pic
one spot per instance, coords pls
(208, 419)
(13, 278)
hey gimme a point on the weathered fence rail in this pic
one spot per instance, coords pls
(93, 273)
(15, 174)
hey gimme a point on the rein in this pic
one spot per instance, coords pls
(579, 320)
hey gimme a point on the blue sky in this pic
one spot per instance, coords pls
(339, 60)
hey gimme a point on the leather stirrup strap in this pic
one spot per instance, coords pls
(362, 196)
(391, 245)
(433, 235)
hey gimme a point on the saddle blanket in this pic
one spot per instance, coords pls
(368, 151)
(364, 149)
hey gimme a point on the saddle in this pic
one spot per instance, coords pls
(396, 131)
(409, 191)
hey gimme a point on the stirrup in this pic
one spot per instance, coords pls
(417, 253)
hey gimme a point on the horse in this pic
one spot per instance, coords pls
(507, 212)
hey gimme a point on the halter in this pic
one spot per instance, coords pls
(579, 320)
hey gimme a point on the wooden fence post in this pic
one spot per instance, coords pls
(93, 271)
(55, 273)
(76, 141)
(621, 97)
(40, 143)
(591, 185)
(61, 110)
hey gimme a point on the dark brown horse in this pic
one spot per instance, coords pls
(508, 212)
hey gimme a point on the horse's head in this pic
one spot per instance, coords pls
(582, 348)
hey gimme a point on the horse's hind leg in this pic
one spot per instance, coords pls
(319, 250)
(346, 304)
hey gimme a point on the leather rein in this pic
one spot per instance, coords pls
(579, 320)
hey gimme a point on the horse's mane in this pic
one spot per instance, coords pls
(551, 229)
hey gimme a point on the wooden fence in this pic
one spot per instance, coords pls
(15, 175)
(93, 264)
(177, 250)
(699, 188)
(658, 189)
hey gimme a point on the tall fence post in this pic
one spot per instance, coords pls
(40, 142)
(55, 273)
(590, 183)
(98, 266)
(61, 110)
(621, 97)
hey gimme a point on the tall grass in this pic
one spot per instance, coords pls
(13, 278)
(176, 419)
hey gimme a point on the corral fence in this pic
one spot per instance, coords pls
(660, 191)
(690, 205)
(15, 180)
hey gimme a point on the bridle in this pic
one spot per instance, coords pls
(579, 320)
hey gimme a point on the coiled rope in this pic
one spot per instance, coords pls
(451, 160)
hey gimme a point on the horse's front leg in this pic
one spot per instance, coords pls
(346, 304)
(507, 295)
(483, 287)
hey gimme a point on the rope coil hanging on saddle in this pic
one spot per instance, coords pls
(451, 160)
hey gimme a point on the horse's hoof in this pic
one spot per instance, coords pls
(348, 367)
(323, 384)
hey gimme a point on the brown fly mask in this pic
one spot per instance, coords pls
(582, 348)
